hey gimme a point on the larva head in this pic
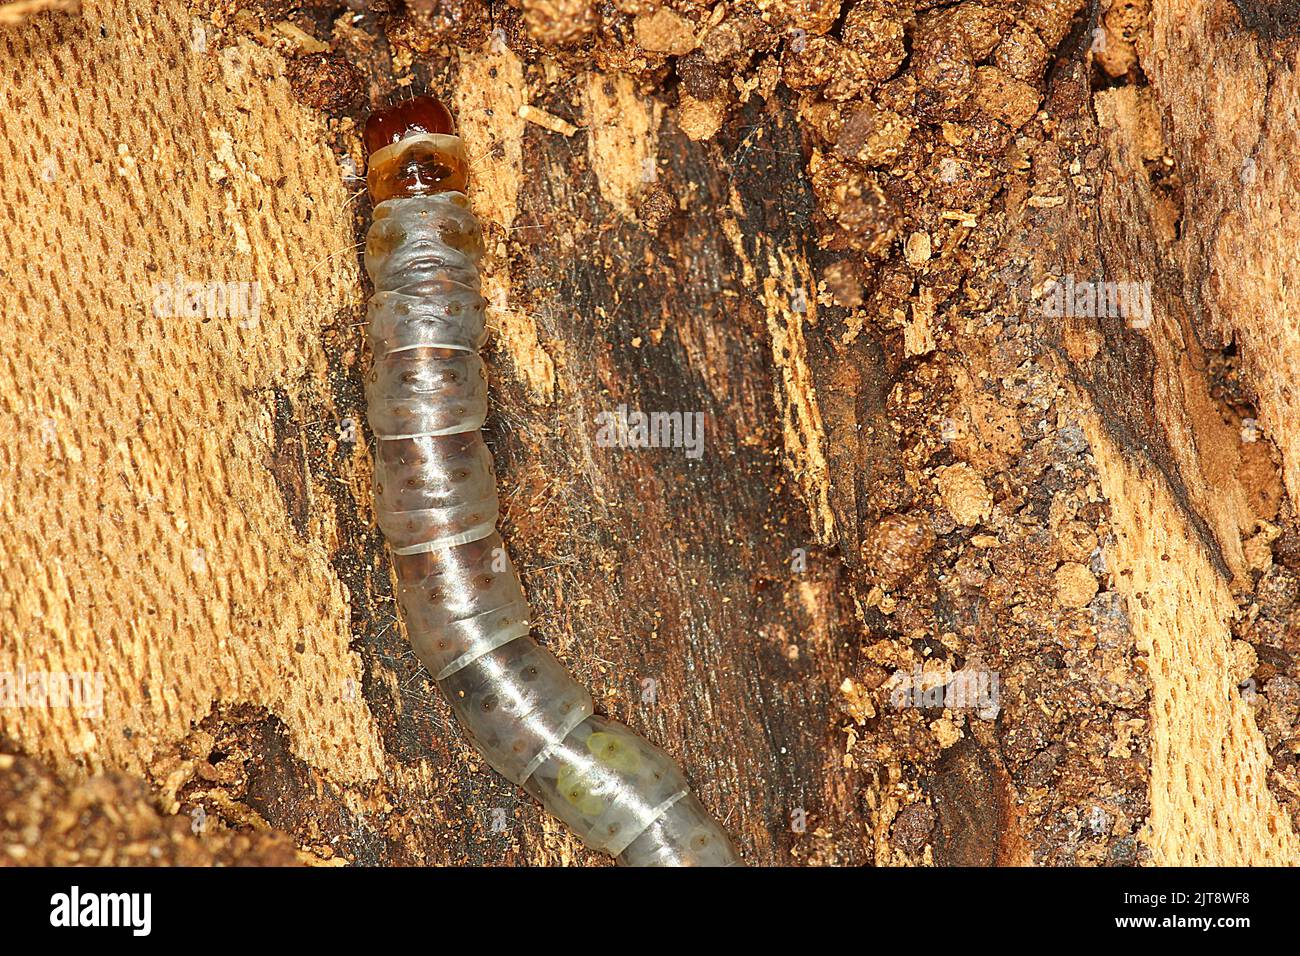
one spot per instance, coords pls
(412, 150)
(424, 114)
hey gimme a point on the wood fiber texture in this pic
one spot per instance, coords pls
(141, 510)
(1232, 133)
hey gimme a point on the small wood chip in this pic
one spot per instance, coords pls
(299, 39)
(964, 494)
(1075, 585)
(532, 114)
(917, 250)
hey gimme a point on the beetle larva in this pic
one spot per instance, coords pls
(436, 502)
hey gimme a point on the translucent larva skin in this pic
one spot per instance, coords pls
(684, 836)
(436, 502)
(607, 784)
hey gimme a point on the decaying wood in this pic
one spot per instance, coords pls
(830, 249)
(18, 11)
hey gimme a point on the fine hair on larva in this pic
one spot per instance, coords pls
(436, 503)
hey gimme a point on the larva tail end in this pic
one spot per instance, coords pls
(424, 114)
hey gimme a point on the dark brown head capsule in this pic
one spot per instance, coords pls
(412, 150)
(424, 114)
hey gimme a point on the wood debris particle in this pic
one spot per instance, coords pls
(893, 549)
(555, 124)
(917, 250)
(946, 733)
(964, 494)
(664, 31)
(299, 40)
(918, 336)
(1075, 585)
(700, 119)
(857, 701)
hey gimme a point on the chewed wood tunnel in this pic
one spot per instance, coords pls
(436, 503)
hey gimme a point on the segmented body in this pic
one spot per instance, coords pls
(436, 502)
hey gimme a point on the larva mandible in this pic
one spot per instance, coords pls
(436, 503)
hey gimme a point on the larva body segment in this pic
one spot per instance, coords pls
(433, 491)
(436, 503)
(607, 784)
(685, 835)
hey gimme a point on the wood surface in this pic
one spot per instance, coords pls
(903, 466)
